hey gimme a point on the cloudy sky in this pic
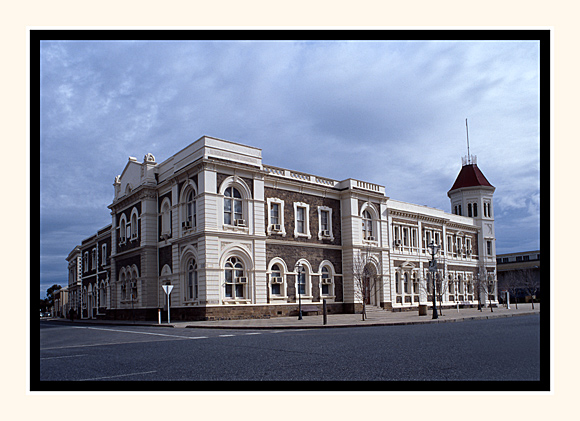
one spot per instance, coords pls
(392, 113)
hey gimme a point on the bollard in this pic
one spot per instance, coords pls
(324, 311)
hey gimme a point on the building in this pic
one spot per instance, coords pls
(521, 268)
(238, 239)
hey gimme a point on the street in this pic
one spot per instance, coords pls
(506, 349)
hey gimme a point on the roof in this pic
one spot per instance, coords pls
(470, 176)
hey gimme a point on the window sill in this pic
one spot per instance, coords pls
(235, 301)
(235, 228)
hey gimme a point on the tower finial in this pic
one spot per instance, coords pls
(467, 131)
(469, 159)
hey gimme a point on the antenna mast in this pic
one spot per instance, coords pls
(467, 131)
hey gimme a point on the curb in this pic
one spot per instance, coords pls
(295, 326)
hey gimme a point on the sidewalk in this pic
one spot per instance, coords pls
(375, 317)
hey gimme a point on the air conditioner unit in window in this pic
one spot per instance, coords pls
(397, 242)
(276, 227)
(122, 240)
(370, 238)
(326, 233)
(240, 222)
(326, 281)
(186, 224)
(242, 280)
(277, 280)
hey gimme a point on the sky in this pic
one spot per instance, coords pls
(387, 112)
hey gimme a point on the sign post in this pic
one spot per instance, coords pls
(167, 289)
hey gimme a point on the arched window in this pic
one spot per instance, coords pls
(190, 209)
(276, 280)
(367, 225)
(123, 287)
(134, 227)
(235, 280)
(469, 212)
(166, 217)
(122, 230)
(326, 281)
(475, 210)
(192, 287)
(233, 206)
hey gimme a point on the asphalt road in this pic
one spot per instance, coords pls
(495, 350)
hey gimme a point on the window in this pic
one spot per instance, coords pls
(397, 287)
(134, 227)
(414, 237)
(276, 280)
(104, 254)
(301, 220)
(489, 248)
(190, 210)
(235, 281)
(302, 283)
(406, 283)
(233, 206)
(526, 258)
(192, 288)
(415, 284)
(469, 212)
(325, 223)
(86, 261)
(326, 281)
(367, 226)
(275, 214)
(122, 230)
(405, 236)
(475, 210)
(276, 217)
(94, 259)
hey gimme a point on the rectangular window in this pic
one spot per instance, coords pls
(405, 236)
(324, 220)
(301, 220)
(275, 214)
(414, 237)
(437, 239)
(526, 258)
(489, 248)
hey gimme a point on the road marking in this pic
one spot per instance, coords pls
(254, 333)
(119, 375)
(139, 333)
(64, 356)
(225, 336)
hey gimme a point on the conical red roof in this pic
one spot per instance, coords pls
(470, 176)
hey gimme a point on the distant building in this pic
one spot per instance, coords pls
(514, 263)
(229, 232)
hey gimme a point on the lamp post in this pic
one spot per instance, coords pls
(299, 271)
(433, 249)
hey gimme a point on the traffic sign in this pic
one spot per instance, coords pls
(167, 289)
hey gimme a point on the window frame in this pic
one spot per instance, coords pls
(271, 201)
(306, 208)
(321, 211)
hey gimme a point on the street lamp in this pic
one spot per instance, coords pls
(299, 271)
(433, 249)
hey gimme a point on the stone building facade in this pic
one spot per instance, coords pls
(238, 239)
